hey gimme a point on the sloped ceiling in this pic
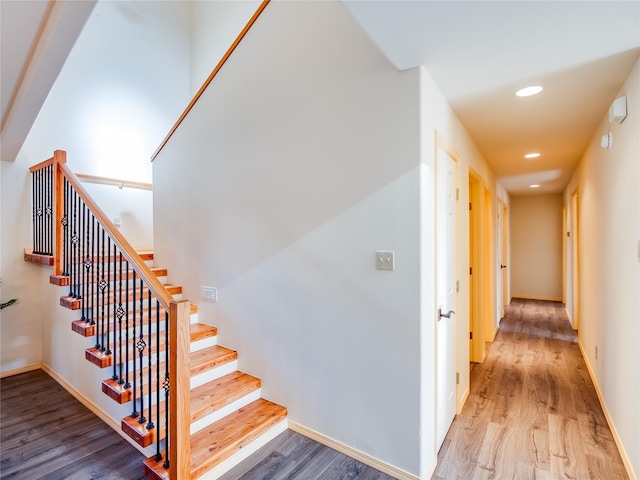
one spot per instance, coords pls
(480, 52)
(36, 37)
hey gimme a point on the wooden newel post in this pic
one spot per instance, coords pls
(179, 391)
(59, 158)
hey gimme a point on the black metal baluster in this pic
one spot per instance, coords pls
(141, 347)
(39, 212)
(119, 314)
(33, 213)
(110, 298)
(50, 212)
(126, 329)
(36, 219)
(102, 286)
(74, 243)
(93, 278)
(99, 289)
(65, 229)
(150, 424)
(134, 414)
(83, 270)
(45, 205)
(166, 388)
(158, 388)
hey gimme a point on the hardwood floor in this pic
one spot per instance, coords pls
(291, 456)
(532, 412)
(45, 433)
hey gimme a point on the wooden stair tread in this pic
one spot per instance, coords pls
(199, 331)
(113, 297)
(38, 258)
(214, 395)
(145, 254)
(211, 357)
(64, 280)
(217, 442)
(102, 360)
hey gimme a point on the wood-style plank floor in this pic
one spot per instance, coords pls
(532, 412)
(45, 433)
(291, 456)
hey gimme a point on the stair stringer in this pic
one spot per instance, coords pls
(199, 380)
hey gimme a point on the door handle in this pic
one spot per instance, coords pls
(502, 266)
(444, 315)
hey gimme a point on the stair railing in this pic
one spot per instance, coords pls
(140, 330)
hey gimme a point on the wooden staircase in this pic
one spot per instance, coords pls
(228, 418)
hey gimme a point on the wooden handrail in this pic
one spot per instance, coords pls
(215, 71)
(114, 181)
(44, 163)
(128, 251)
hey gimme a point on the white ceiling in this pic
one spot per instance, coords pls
(480, 52)
(36, 37)
(477, 52)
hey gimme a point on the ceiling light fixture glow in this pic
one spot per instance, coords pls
(532, 155)
(528, 91)
(535, 185)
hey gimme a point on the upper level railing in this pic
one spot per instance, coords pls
(140, 331)
(210, 78)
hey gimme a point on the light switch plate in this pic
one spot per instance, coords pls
(385, 260)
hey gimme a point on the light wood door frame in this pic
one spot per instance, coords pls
(481, 283)
(575, 260)
(488, 268)
(504, 254)
(564, 254)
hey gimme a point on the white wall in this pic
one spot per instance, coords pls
(303, 161)
(536, 246)
(113, 102)
(133, 207)
(214, 27)
(609, 215)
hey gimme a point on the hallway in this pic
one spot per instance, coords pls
(532, 412)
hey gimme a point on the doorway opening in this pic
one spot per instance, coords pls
(482, 325)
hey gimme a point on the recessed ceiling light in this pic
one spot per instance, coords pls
(532, 155)
(528, 91)
(535, 185)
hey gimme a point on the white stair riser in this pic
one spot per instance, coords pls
(213, 374)
(203, 343)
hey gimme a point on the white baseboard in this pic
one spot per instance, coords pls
(464, 398)
(612, 427)
(534, 297)
(18, 371)
(106, 418)
(352, 452)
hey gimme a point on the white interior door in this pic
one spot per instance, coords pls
(446, 293)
